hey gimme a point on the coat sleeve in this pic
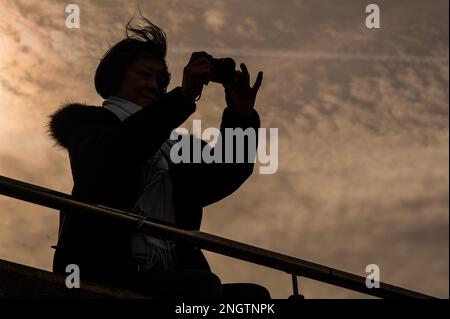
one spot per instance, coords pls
(106, 156)
(206, 183)
(134, 140)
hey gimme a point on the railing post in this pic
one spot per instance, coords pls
(296, 295)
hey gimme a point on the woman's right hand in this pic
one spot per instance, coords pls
(197, 73)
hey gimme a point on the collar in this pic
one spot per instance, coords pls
(120, 107)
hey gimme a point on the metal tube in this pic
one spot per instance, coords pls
(295, 284)
(57, 200)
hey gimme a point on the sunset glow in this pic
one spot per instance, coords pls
(362, 119)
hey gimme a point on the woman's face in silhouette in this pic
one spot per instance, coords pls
(142, 81)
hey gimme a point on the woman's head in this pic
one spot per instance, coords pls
(135, 68)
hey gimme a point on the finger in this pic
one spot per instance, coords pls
(197, 55)
(240, 79)
(201, 61)
(204, 73)
(228, 89)
(199, 71)
(258, 82)
(246, 75)
(194, 68)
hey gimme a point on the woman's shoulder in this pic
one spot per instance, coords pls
(77, 116)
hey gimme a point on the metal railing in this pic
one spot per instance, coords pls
(294, 266)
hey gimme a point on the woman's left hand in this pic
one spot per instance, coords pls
(240, 96)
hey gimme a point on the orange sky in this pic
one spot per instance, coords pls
(362, 117)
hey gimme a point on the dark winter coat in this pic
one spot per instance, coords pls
(106, 155)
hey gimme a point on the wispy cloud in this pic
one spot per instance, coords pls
(362, 117)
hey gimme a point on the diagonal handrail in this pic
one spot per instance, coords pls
(57, 200)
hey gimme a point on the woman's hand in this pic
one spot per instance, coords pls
(196, 74)
(240, 96)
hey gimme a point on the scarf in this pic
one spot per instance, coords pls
(155, 200)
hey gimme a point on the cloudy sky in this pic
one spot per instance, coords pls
(362, 117)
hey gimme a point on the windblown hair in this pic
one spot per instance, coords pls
(142, 39)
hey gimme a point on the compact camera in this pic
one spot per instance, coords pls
(224, 70)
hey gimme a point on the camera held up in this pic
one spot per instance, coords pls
(224, 70)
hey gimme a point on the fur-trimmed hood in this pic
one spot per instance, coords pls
(71, 118)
